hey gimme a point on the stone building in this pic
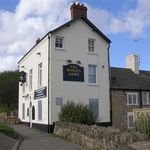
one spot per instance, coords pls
(70, 63)
(130, 88)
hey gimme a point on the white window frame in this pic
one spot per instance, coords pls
(40, 113)
(59, 101)
(132, 93)
(30, 79)
(40, 74)
(23, 111)
(147, 98)
(128, 115)
(92, 74)
(91, 45)
(59, 37)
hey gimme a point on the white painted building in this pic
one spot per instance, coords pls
(70, 63)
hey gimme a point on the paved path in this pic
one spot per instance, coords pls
(38, 140)
(6, 142)
(145, 145)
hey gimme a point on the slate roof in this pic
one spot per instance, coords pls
(123, 78)
(68, 24)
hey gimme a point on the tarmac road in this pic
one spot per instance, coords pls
(38, 140)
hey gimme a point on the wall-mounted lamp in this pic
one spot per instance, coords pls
(22, 66)
(78, 62)
(103, 66)
(69, 61)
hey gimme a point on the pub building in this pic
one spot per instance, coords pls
(70, 63)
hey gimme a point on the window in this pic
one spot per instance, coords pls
(40, 110)
(59, 101)
(23, 110)
(26, 79)
(132, 98)
(30, 79)
(40, 74)
(92, 74)
(59, 42)
(130, 122)
(91, 43)
(33, 113)
(28, 112)
(94, 106)
(23, 87)
(145, 98)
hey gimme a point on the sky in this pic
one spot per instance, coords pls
(125, 22)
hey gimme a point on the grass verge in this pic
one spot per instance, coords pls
(4, 128)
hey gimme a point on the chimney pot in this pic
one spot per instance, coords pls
(78, 10)
(38, 40)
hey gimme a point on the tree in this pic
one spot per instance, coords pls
(9, 89)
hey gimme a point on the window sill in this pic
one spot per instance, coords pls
(90, 84)
(92, 53)
(132, 104)
(59, 49)
(146, 104)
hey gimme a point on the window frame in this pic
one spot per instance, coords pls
(30, 79)
(128, 115)
(40, 67)
(59, 101)
(132, 93)
(91, 45)
(92, 83)
(59, 37)
(23, 111)
(147, 98)
(40, 113)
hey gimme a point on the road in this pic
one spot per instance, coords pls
(38, 140)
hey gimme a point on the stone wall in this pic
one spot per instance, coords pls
(96, 137)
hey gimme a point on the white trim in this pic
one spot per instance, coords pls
(129, 114)
(147, 98)
(132, 93)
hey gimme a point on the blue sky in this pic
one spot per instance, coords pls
(125, 22)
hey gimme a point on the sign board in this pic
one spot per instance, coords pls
(22, 76)
(140, 112)
(73, 72)
(40, 93)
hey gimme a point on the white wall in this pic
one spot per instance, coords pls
(31, 61)
(76, 48)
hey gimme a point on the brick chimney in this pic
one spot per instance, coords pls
(78, 10)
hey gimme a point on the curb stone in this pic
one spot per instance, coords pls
(18, 143)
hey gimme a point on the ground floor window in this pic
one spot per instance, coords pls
(23, 110)
(94, 106)
(40, 110)
(130, 122)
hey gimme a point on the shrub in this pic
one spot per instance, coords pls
(77, 113)
(7, 130)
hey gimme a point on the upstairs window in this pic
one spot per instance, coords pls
(92, 74)
(132, 98)
(40, 74)
(30, 79)
(91, 43)
(145, 98)
(59, 42)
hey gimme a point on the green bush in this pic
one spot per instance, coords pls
(76, 113)
(7, 130)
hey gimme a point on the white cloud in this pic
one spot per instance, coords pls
(32, 19)
(133, 21)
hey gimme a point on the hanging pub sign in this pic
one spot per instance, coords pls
(22, 76)
(73, 72)
(40, 93)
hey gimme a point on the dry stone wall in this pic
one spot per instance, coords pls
(96, 137)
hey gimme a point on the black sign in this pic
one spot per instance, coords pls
(22, 76)
(40, 93)
(73, 72)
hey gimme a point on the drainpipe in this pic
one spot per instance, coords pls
(48, 80)
(109, 86)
